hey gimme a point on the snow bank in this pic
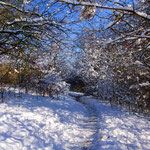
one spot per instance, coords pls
(40, 123)
(76, 94)
(119, 130)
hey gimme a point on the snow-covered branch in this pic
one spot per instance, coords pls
(33, 22)
(29, 20)
(16, 8)
(39, 27)
(19, 31)
(98, 5)
(128, 37)
(114, 22)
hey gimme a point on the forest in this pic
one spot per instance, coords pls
(97, 47)
(105, 44)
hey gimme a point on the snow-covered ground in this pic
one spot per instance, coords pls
(28, 122)
(117, 129)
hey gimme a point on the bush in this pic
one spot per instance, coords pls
(51, 85)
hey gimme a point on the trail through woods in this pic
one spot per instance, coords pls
(90, 123)
(75, 122)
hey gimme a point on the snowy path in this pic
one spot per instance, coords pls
(91, 123)
(117, 129)
(28, 123)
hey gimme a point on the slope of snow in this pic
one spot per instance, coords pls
(117, 129)
(40, 123)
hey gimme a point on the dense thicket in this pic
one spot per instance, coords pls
(31, 34)
(114, 62)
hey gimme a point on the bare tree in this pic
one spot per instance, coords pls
(26, 22)
(126, 13)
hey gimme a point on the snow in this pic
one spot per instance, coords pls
(144, 73)
(134, 86)
(144, 84)
(4, 59)
(143, 14)
(138, 62)
(110, 25)
(28, 121)
(17, 31)
(117, 129)
(45, 124)
(96, 5)
(76, 94)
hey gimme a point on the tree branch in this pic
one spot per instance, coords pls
(97, 5)
(14, 7)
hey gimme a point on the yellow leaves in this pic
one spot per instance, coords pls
(4, 68)
(8, 74)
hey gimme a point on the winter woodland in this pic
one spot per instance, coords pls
(49, 48)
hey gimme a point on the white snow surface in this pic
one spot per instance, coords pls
(28, 122)
(117, 129)
(76, 94)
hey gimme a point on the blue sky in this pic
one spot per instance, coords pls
(71, 15)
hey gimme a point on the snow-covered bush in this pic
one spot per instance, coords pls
(52, 85)
(56, 85)
(139, 81)
(116, 72)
